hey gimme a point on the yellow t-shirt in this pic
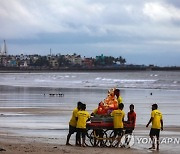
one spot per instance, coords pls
(120, 100)
(73, 121)
(118, 118)
(157, 117)
(82, 118)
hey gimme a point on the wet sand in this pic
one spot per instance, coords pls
(13, 144)
(19, 145)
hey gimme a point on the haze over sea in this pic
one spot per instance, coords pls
(31, 91)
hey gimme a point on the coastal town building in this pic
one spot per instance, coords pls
(3, 49)
(74, 59)
(68, 61)
(53, 61)
(88, 62)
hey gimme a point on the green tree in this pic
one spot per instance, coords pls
(63, 61)
(109, 60)
(121, 60)
(41, 61)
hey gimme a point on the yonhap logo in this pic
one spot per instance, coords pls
(163, 140)
(128, 140)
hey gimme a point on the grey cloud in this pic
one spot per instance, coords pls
(175, 3)
(103, 25)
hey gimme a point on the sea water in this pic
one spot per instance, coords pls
(31, 90)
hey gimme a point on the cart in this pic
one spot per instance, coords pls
(100, 132)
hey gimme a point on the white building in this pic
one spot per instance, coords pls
(74, 59)
(3, 49)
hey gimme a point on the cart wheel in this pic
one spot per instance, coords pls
(88, 137)
(115, 140)
(98, 138)
(109, 141)
(127, 140)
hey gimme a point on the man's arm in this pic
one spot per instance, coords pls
(161, 124)
(150, 120)
(123, 119)
(112, 113)
(88, 117)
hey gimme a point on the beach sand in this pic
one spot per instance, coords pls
(21, 143)
(12, 144)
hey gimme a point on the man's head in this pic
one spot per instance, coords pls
(117, 92)
(101, 104)
(79, 104)
(121, 106)
(154, 106)
(131, 107)
(83, 107)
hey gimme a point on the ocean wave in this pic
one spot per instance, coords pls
(98, 80)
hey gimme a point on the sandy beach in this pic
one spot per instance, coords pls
(22, 143)
(38, 145)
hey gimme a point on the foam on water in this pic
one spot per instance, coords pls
(99, 80)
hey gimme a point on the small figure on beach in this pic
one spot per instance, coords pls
(73, 123)
(157, 125)
(82, 117)
(58, 94)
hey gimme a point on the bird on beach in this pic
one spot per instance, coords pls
(58, 94)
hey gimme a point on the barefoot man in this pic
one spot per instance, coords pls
(82, 117)
(73, 123)
(118, 119)
(157, 125)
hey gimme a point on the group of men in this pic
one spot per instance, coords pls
(80, 116)
(78, 124)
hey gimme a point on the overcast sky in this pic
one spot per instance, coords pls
(141, 31)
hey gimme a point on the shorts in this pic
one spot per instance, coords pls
(72, 129)
(154, 132)
(81, 132)
(118, 131)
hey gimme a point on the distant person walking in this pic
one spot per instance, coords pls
(73, 123)
(157, 125)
